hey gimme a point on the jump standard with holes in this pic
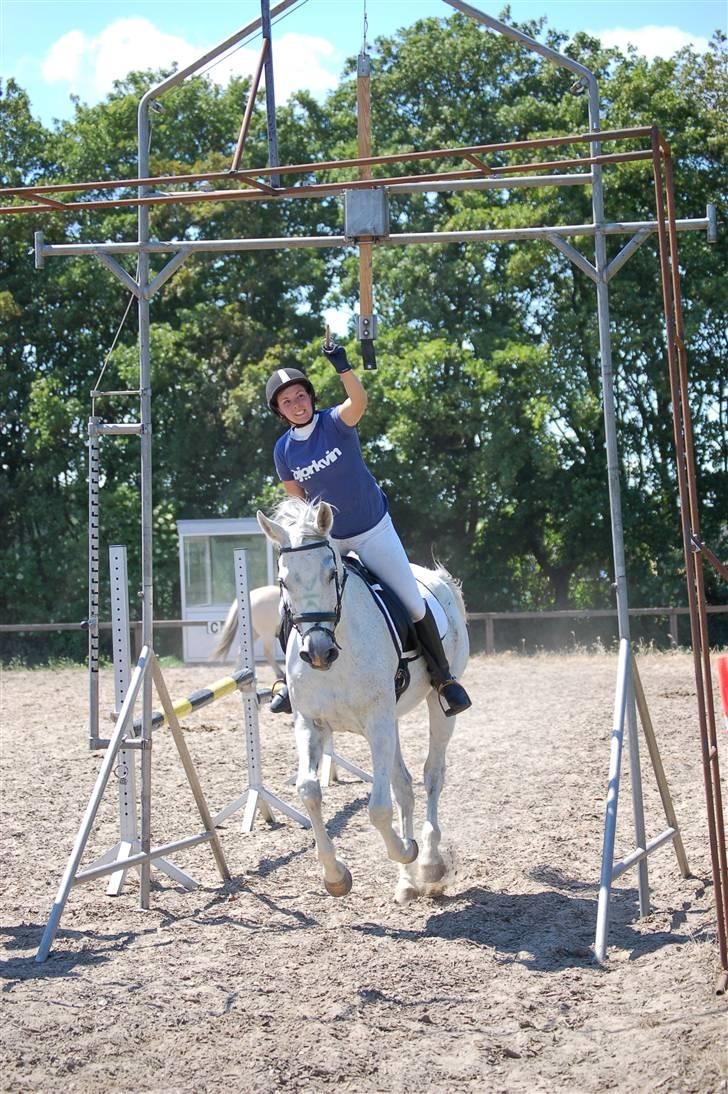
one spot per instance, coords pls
(366, 227)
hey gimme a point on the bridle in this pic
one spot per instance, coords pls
(318, 619)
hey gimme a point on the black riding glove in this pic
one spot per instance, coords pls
(337, 356)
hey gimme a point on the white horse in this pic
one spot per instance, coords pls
(265, 620)
(340, 667)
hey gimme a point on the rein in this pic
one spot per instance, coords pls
(319, 618)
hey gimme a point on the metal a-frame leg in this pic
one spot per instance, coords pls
(129, 843)
(629, 689)
(102, 779)
(123, 737)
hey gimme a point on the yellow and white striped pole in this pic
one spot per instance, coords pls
(236, 682)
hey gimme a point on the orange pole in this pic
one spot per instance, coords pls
(364, 148)
(249, 108)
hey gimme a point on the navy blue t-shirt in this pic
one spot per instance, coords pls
(330, 467)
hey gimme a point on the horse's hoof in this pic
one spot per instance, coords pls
(431, 872)
(339, 888)
(405, 893)
(411, 851)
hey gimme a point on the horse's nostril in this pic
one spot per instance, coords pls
(306, 656)
(332, 654)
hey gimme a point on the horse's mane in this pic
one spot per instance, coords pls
(295, 513)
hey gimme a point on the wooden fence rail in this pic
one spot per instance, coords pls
(671, 614)
(488, 619)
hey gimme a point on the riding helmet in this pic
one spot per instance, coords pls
(283, 378)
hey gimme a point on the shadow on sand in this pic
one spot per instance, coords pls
(546, 931)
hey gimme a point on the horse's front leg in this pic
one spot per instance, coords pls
(309, 741)
(431, 863)
(382, 736)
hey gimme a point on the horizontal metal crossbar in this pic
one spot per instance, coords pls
(486, 235)
(250, 187)
(141, 857)
(330, 165)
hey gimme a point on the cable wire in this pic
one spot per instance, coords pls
(252, 38)
(116, 337)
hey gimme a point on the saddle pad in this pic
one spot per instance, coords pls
(400, 626)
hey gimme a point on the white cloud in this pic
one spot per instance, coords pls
(651, 41)
(89, 65)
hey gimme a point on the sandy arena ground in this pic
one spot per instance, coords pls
(267, 984)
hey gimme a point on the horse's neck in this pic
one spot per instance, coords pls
(361, 621)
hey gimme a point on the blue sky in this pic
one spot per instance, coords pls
(55, 48)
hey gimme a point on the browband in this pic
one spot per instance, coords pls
(305, 546)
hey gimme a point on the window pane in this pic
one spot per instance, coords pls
(223, 564)
(197, 578)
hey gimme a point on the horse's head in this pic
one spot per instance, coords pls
(311, 576)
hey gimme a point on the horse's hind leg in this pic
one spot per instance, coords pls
(309, 741)
(269, 652)
(383, 744)
(431, 863)
(406, 889)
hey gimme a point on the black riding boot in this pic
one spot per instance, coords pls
(280, 703)
(454, 694)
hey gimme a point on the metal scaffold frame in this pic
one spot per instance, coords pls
(264, 184)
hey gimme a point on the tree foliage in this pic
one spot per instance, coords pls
(485, 421)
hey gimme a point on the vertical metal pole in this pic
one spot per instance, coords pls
(588, 80)
(615, 498)
(709, 705)
(669, 273)
(367, 322)
(147, 590)
(246, 660)
(126, 767)
(270, 95)
(93, 582)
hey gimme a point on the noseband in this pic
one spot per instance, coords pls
(319, 618)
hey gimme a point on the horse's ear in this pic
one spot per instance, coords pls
(273, 531)
(324, 518)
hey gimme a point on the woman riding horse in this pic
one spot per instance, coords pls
(319, 458)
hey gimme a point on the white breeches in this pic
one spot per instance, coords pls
(381, 551)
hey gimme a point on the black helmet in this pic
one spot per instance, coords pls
(283, 378)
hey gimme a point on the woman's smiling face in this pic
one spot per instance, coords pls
(295, 405)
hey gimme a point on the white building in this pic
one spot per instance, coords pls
(207, 576)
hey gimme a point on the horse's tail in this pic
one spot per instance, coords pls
(228, 632)
(454, 586)
(458, 643)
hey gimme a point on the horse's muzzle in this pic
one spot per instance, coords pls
(319, 650)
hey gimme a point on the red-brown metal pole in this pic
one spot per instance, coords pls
(698, 553)
(669, 276)
(260, 190)
(249, 107)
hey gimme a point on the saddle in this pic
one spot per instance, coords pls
(400, 626)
